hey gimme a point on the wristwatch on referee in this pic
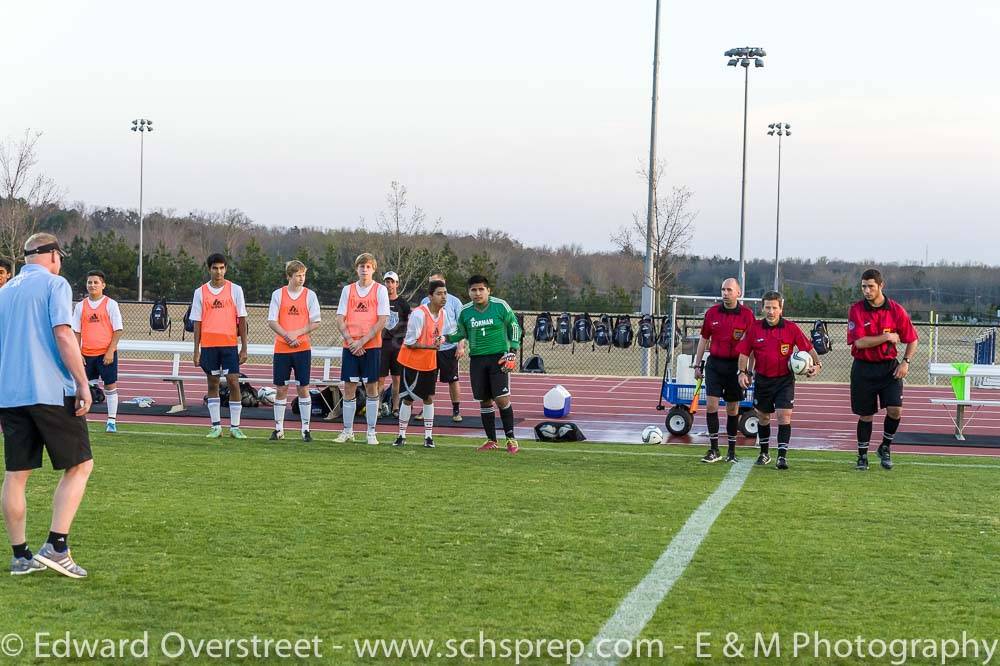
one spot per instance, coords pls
(905, 360)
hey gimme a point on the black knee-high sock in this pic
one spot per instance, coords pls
(507, 419)
(784, 437)
(889, 430)
(713, 429)
(764, 437)
(732, 427)
(864, 436)
(489, 422)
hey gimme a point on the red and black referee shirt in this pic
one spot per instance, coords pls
(864, 319)
(726, 328)
(772, 345)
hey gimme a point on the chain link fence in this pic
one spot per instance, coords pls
(939, 342)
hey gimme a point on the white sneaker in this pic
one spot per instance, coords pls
(372, 439)
(344, 437)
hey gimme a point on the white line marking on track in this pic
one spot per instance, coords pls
(638, 607)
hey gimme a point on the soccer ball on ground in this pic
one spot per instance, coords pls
(652, 435)
(267, 395)
(800, 362)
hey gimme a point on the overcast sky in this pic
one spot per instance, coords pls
(531, 117)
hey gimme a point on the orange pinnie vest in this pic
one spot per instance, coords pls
(362, 315)
(96, 330)
(293, 314)
(424, 359)
(219, 319)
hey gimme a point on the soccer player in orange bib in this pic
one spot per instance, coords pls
(219, 313)
(293, 315)
(97, 322)
(418, 360)
(361, 316)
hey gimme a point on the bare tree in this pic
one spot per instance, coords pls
(401, 226)
(673, 229)
(25, 194)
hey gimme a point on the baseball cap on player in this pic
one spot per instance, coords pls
(390, 275)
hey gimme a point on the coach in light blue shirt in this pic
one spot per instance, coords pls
(43, 403)
(450, 353)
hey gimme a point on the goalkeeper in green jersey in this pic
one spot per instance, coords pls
(494, 335)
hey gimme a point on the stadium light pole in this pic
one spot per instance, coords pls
(141, 125)
(781, 129)
(743, 57)
(648, 268)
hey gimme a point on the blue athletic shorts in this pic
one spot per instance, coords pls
(360, 369)
(95, 367)
(285, 363)
(220, 361)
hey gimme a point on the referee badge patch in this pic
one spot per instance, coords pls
(738, 333)
(785, 349)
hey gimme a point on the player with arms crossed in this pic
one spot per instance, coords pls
(418, 360)
(293, 314)
(361, 316)
(875, 324)
(771, 341)
(494, 335)
(97, 322)
(219, 313)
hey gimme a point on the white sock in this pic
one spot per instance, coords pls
(112, 397)
(428, 421)
(235, 409)
(305, 412)
(371, 414)
(279, 414)
(214, 411)
(404, 417)
(349, 408)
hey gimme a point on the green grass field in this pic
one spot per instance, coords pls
(348, 542)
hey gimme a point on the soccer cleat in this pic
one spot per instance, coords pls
(214, 433)
(512, 446)
(344, 437)
(884, 457)
(456, 417)
(782, 463)
(763, 459)
(428, 443)
(20, 566)
(236, 433)
(306, 436)
(862, 463)
(372, 439)
(711, 457)
(111, 427)
(400, 441)
(60, 562)
(731, 458)
(276, 435)
(490, 445)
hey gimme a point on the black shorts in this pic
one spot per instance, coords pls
(417, 384)
(448, 366)
(873, 387)
(488, 379)
(28, 430)
(286, 362)
(220, 360)
(389, 362)
(722, 379)
(771, 393)
(96, 368)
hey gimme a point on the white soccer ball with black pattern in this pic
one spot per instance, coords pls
(652, 435)
(267, 395)
(800, 362)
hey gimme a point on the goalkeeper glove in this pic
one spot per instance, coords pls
(507, 361)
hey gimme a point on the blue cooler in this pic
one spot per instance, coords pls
(557, 402)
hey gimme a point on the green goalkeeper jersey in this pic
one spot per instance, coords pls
(491, 331)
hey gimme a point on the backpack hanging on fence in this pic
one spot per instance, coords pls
(665, 339)
(564, 330)
(647, 332)
(188, 323)
(623, 334)
(544, 331)
(159, 316)
(583, 330)
(821, 338)
(602, 332)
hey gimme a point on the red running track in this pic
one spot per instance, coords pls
(612, 409)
